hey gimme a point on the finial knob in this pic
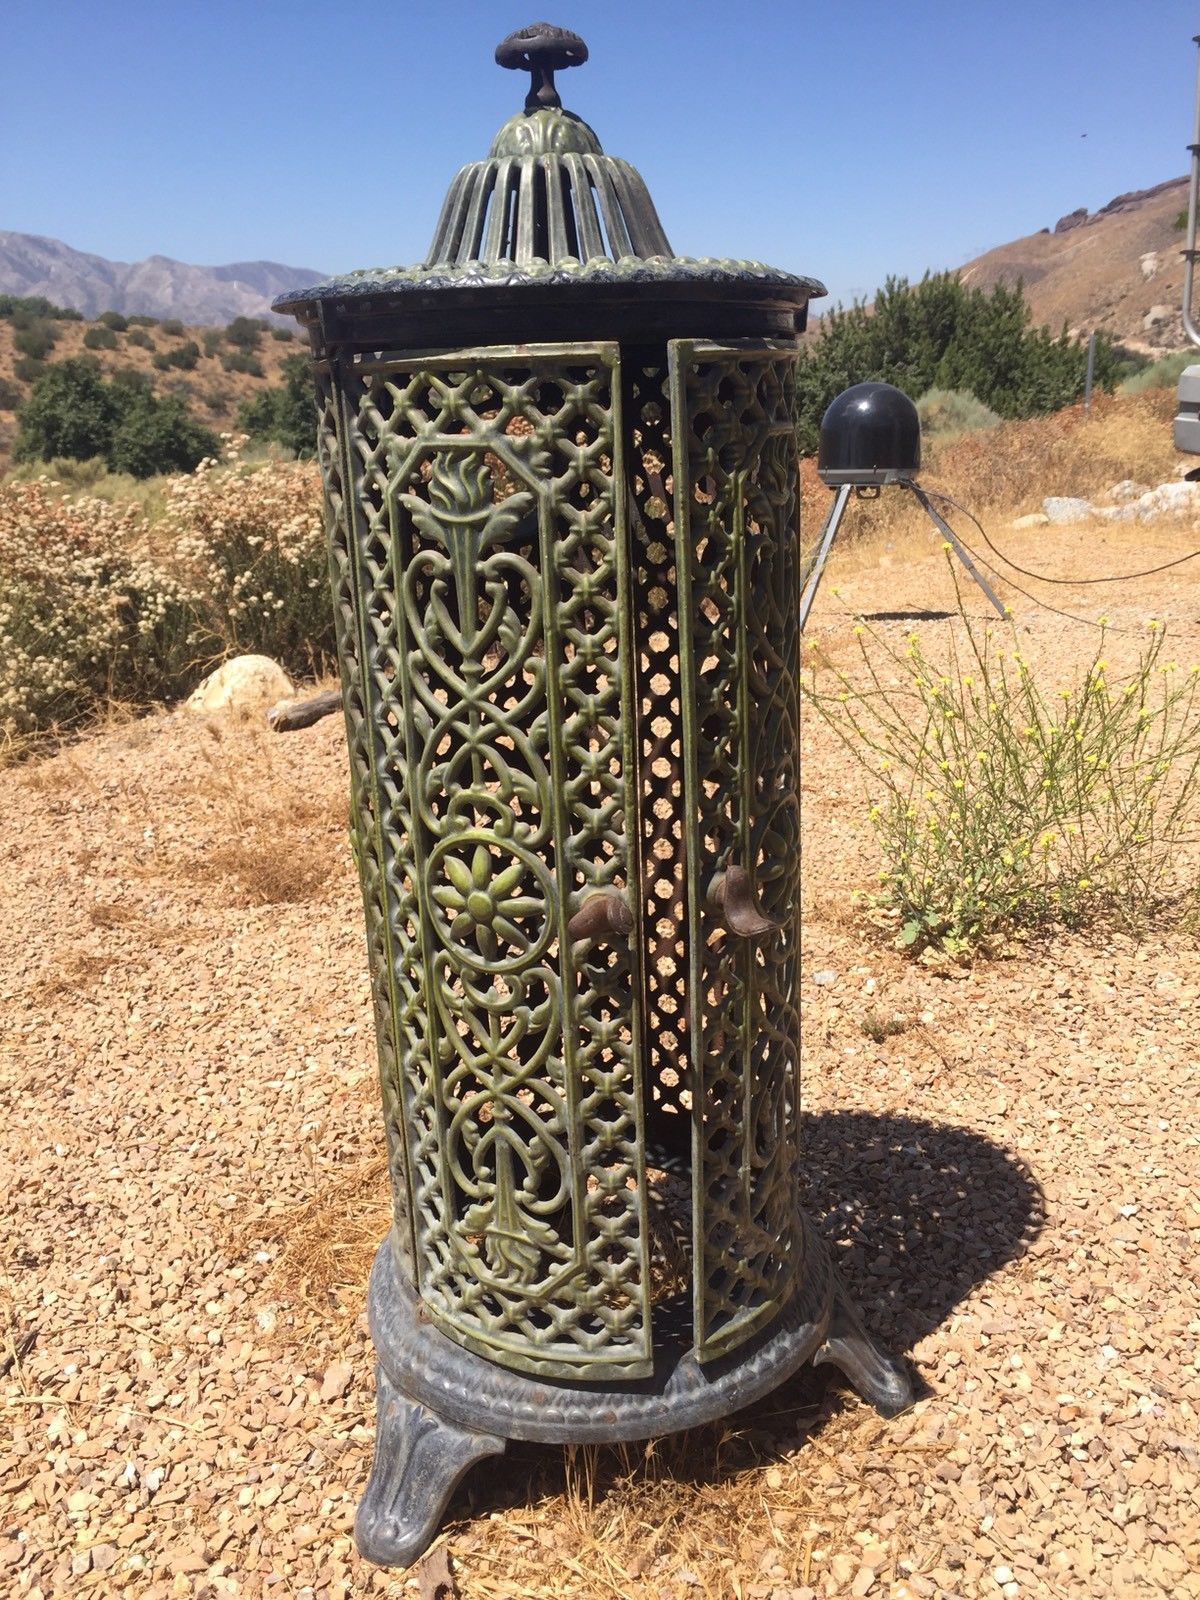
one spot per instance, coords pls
(541, 50)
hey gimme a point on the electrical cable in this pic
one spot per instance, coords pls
(1043, 577)
(1068, 616)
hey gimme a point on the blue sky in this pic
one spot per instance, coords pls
(842, 140)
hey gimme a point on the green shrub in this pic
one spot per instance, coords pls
(37, 340)
(11, 395)
(950, 411)
(100, 338)
(212, 340)
(242, 361)
(158, 435)
(74, 412)
(174, 327)
(282, 335)
(15, 307)
(245, 332)
(140, 320)
(71, 412)
(939, 334)
(1161, 374)
(113, 320)
(139, 337)
(184, 357)
(284, 412)
(1000, 806)
(28, 369)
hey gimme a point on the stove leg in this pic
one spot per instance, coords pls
(419, 1458)
(878, 1377)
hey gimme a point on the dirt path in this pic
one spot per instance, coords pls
(190, 1182)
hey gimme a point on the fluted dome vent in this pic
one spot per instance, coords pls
(547, 192)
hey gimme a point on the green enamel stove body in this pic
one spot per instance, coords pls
(561, 487)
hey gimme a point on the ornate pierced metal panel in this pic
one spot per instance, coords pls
(737, 550)
(491, 616)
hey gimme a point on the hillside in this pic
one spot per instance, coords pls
(212, 391)
(158, 286)
(1117, 270)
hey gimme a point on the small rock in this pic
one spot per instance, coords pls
(1063, 509)
(1032, 519)
(81, 1562)
(1157, 315)
(336, 1381)
(103, 1556)
(825, 977)
(244, 684)
(1148, 263)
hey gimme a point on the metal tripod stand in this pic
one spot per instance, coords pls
(814, 568)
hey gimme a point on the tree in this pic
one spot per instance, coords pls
(284, 412)
(71, 412)
(939, 334)
(156, 435)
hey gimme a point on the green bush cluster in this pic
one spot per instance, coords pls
(36, 339)
(245, 332)
(284, 412)
(114, 320)
(1161, 374)
(20, 309)
(140, 320)
(944, 412)
(29, 368)
(139, 337)
(173, 326)
(73, 412)
(100, 338)
(242, 361)
(940, 334)
(11, 395)
(184, 357)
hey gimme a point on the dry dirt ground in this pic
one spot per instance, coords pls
(191, 1185)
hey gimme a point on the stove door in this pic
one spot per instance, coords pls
(737, 552)
(482, 545)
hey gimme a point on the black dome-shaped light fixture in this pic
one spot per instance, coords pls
(870, 439)
(870, 436)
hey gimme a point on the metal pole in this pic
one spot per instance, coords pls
(1189, 254)
(1091, 373)
(810, 575)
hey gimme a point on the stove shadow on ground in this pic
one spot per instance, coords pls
(916, 1214)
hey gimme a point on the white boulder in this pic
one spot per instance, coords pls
(244, 684)
(1062, 509)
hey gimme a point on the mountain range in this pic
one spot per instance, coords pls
(158, 286)
(1118, 270)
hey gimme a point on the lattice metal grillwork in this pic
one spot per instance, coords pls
(563, 551)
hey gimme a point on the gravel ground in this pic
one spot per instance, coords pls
(191, 1182)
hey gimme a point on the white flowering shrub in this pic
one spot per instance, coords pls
(251, 540)
(86, 616)
(98, 604)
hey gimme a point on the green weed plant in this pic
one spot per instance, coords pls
(1002, 807)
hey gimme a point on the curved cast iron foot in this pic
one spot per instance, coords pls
(878, 1377)
(419, 1458)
